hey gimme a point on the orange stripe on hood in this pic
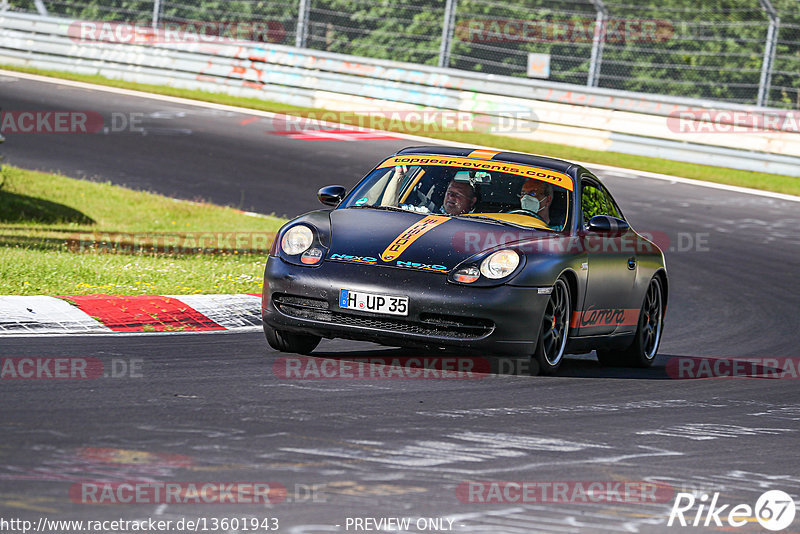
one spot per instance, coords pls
(411, 234)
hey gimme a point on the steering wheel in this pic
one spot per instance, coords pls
(528, 212)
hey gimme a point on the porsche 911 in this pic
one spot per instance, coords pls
(479, 251)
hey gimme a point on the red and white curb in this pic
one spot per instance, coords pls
(108, 314)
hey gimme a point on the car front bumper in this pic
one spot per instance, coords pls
(503, 319)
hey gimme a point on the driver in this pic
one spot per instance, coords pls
(536, 197)
(459, 198)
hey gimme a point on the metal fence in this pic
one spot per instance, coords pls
(742, 51)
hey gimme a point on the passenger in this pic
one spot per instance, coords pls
(536, 197)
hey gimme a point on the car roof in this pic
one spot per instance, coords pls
(511, 157)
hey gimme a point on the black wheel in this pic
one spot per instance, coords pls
(643, 350)
(286, 342)
(554, 331)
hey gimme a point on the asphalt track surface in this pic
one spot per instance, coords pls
(401, 448)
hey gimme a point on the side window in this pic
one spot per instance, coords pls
(592, 202)
(611, 206)
(596, 200)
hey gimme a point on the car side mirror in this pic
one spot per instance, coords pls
(331, 195)
(605, 224)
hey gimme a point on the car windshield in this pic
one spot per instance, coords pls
(466, 187)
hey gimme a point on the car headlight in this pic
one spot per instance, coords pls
(500, 264)
(296, 240)
(467, 275)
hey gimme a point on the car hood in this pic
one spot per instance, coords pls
(379, 237)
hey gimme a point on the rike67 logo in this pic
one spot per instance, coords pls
(774, 510)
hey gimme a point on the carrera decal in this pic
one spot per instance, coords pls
(354, 259)
(615, 316)
(411, 234)
(553, 177)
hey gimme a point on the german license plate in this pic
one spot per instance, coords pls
(373, 303)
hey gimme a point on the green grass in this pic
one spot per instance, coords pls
(60, 236)
(755, 180)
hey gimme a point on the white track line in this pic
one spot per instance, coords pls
(426, 140)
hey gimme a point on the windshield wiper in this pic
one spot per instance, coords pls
(387, 208)
(467, 215)
(499, 221)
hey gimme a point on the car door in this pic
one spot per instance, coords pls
(611, 268)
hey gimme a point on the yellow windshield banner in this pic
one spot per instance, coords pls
(553, 177)
(411, 234)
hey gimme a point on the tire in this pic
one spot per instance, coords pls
(553, 333)
(642, 352)
(286, 342)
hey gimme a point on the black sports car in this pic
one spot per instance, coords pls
(478, 250)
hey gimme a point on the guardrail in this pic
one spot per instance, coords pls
(674, 128)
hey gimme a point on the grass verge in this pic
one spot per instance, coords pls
(755, 180)
(61, 236)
